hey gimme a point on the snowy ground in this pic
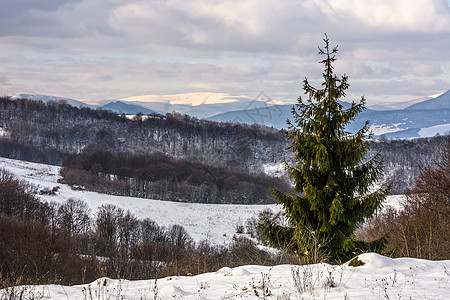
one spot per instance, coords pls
(434, 130)
(215, 222)
(379, 278)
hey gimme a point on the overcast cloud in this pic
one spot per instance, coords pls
(110, 49)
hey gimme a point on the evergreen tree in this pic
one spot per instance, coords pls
(332, 192)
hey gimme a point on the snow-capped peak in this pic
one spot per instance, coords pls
(193, 99)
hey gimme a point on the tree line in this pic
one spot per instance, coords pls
(158, 176)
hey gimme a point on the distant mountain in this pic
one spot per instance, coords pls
(191, 99)
(267, 115)
(397, 105)
(46, 98)
(200, 105)
(406, 123)
(126, 108)
(421, 119)
(442, 101)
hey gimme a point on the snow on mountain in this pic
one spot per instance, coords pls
(434, 130)
(379, 277)
(193, 99)
(201, 105)
(410, 122)
(406, 123)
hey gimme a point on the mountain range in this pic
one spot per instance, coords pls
(421, 117)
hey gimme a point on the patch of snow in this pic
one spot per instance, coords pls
(3, 132)
(273, 169)
(433, 130)
(436, 95)
(383, 129)
(395, 202)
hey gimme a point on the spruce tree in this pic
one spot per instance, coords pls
(333, 181)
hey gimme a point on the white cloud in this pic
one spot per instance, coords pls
(118, 48)
(403, 15)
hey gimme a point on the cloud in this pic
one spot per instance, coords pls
(392, 16)
(117, 48)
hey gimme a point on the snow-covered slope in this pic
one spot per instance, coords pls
(215, 222)
(379, 278)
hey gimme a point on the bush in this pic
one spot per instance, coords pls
(16, 201)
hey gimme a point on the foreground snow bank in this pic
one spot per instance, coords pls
(379, 278)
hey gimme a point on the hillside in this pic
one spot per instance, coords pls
(214, 222)
(380, 277)
(52, 132)
(439, 102)
(65, 130)
(126, 108)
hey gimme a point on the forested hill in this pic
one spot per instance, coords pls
(61, 129)
(50, 132)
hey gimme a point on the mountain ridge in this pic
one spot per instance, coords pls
(439, 102)
(413, 121)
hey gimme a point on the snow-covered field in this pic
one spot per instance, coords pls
(379, 278)
(434, 130)
(215, 222)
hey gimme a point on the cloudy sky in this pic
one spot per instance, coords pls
(110, 49)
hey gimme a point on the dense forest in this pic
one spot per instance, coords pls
(55, 131)
(57, 126)
(404, 159)
(158, 176)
